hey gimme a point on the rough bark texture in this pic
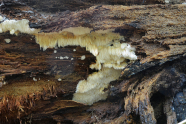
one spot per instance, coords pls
(151, 90)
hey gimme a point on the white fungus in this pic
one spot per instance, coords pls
(66, 57)
(167, 1)
(4, 83)
(7, 40)
(83, 57)
(61, 57)
(34, 79)
(55, 51)
(92, 90)
(15, 26)
(59, 79)
(110, 59)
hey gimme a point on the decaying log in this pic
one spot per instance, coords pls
(36, 86)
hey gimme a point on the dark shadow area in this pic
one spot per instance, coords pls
(157, 101)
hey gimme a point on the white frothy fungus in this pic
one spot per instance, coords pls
(111, 55)
(7, 40)
(83, 57)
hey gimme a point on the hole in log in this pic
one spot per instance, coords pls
(157, 101)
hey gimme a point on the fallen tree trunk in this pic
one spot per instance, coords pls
(37, 86)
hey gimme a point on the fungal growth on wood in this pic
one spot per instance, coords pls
(56, 67)
(111, 55)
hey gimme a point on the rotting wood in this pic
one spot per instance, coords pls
(157, 32)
